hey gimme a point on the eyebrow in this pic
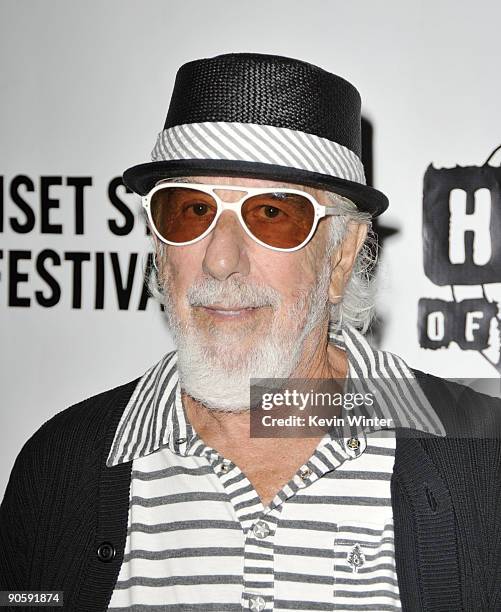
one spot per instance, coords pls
(186, 179)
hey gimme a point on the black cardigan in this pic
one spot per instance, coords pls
(62, 503)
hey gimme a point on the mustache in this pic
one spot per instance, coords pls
(232, 293)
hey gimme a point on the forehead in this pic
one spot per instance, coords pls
(244, 182)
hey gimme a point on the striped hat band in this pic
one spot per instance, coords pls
(220, 140)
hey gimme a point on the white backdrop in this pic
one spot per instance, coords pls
(84, 91)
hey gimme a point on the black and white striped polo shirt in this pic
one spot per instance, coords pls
(199, 537)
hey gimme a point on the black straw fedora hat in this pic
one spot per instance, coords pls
(262, 116)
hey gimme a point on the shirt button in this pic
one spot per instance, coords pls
(261, 531)
(353, 443)
(305, 472)
(257, 603)
(181, 440)
(225, 467)
(106, 552)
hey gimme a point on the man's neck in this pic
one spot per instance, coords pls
(320, 359)
(268, 463)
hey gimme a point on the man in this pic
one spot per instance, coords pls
(158, 495)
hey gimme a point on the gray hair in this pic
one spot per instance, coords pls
(357, 304)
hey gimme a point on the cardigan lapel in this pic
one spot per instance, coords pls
(112, 514)
(426, 549)
(426, 537)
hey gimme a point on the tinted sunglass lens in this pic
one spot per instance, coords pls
(279, 219)
(182, 214)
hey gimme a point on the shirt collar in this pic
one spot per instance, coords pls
(154, 416)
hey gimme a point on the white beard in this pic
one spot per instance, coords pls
(212, 374)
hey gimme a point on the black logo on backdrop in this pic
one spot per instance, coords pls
(461, 246)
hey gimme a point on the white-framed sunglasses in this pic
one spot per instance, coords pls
(278, 218)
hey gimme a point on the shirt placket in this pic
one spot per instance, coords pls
(259, 526)
(259, 549)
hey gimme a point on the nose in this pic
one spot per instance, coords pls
(226, 252)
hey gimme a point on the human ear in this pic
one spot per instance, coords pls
(343, 260)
